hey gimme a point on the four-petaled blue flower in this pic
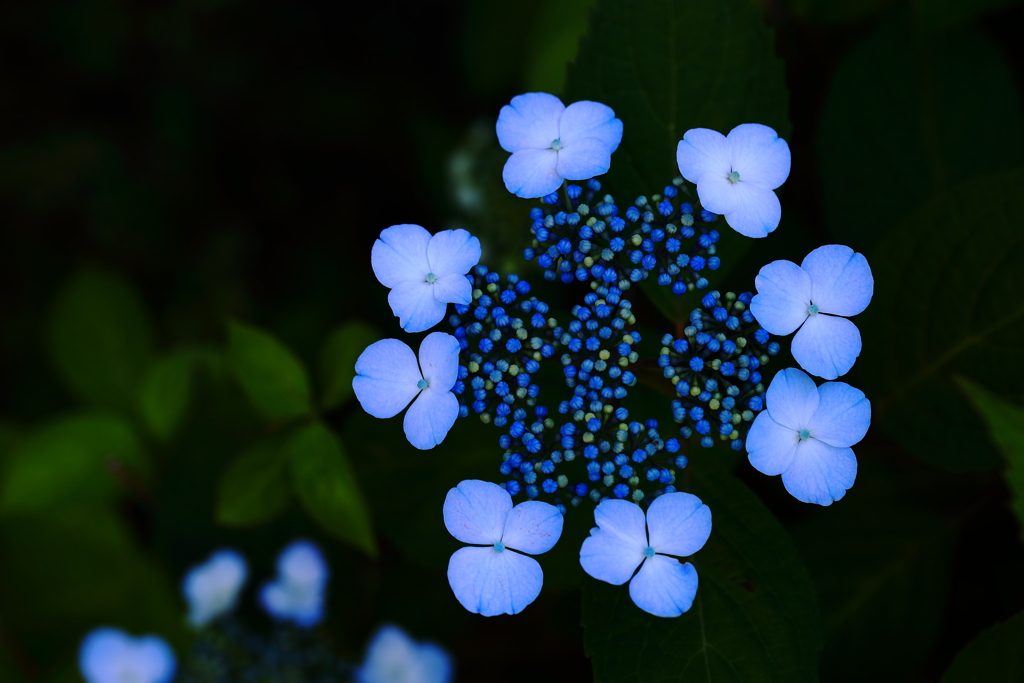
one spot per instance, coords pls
(805, 434)
(495, 579)
(394, 657)
(424, 272)
(297, 594)
(388, 378)
(832, 281)
(211, 588)
(736, 175)
(551, 142)
(108, 655)
(676, 524)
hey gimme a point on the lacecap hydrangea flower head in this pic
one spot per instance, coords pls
(212, 588)
(297, 593)
(108, 655)
(573, 441)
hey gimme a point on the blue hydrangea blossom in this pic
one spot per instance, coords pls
(388, 378)
(108, 655)
(677, 524)
(494, 577)
(736, 174)
(551, 142)
(832, 283)
(212, 588)
(297, 594)
(805, 434)
(424, 272)
(394, 657)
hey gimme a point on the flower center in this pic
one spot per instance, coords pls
(431, 278)
(804, 434)
(812, 309)
(422, 384)
(733, 177)
(499, 547)
(556, 144)
(648, 551)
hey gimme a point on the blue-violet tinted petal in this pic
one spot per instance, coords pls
(386, 378)
(430, 417)
(475, 511)
(582, 159)
(452, 252)
(820, 473)
(453, 289)
(757, 211)
(532, 527)
(703, 151)
(717, 194)
(826, 346)
(783, 294)
(792, 398)
(615, 548)
(439, 360)
(490, 583)
(841, 280)
(529, 122)
(843, 415)
(532, 173)
(400, 255)
(678, 524)
(664, 587)
(415, 305)
(587, 119)
(759, 155)
(770, 446)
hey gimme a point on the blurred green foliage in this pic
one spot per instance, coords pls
(169, 171)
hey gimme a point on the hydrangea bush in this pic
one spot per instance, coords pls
(575, 443)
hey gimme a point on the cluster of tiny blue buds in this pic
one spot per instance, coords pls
(580, 236)
(715, 369)
(504, 336)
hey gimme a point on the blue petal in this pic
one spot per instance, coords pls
(430, 417)
(770, 446)
(475, 511)
(664, 587)
(155, 660)
(108, 655)
(394, 657)
(532, 527)
(400, 255)
(386, 378)
(211, 588)
(302, 562)
(783, 294)
(843, 415)
(583, 159)
(826, 346)
(615, 548)
(757, 211)
(439, 360)
(532, 173)
(529, 122)
(416, 306)
(703, 151)
(453, 289)
(717, 194)
(452, 252)
(488, 582)
(678, 524)
(820, 473)
(792, 398)
(587, 119)
(759, 155)
(841, 280)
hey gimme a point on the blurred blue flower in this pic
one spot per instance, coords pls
(492, 579)
(832, 281)
(108, 655)
(676, 524)
(551, 142)
(297, 594)
(394, 657)
(805, 434)
(388, 378)
(736, 175)
(212, 588)
(424, 272)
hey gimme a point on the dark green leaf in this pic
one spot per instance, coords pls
(936, 15)
(1005, 423)
(881, 567)
(830, 13)
(908, 118)
(254, 488)
(83, 457)
(270, 374)
(996, 656)
(338, 360)
(755, 617)
(946, 304)
(327, 486)
(164, 393)
(100, 338)
(666, 67)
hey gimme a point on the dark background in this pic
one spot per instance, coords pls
(237, 158)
